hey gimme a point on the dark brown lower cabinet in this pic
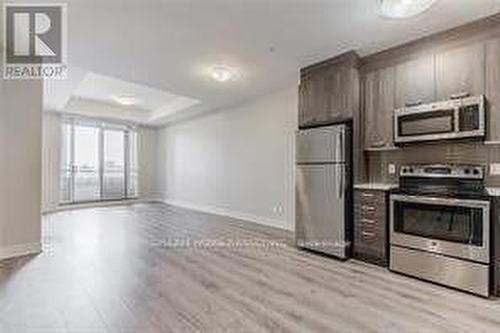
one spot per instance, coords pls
(371, 226)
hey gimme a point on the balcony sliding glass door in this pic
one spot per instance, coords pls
(86, 164)
(114, 180)
(99, 162)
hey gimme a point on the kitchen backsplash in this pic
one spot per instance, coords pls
(450, 152)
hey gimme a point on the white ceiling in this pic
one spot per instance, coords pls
(151, 103)
(167, 45)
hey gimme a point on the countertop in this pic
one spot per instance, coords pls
(377, 186)
(492, 191)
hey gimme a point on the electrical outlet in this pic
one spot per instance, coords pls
(392, 169)
(278, 209)
(495, 169)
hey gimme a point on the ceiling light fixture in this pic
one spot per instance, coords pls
(125, 100)
(399, 9)
(222, 73)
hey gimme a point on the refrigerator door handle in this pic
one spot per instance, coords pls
(338, 146)
(342, 147)
(340, 181)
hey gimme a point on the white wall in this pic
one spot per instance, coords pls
(147, 159)
(51, 162)
(20, 163)
(238, 162)
(20, 166)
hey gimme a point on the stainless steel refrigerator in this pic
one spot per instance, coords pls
(324, 190)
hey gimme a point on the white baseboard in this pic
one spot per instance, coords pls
(230, 213)
(19, 250)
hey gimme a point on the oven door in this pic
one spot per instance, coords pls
(453, 227)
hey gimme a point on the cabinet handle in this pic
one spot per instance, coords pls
(378, 144)
(368, 208)
(367, 195)
(414, 103)
(460, 95)
(367, 221)
(368, 234)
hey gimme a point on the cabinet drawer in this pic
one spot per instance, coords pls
(368, 230)
(369, 226)
(370, 255)
(369, 198)
(367, 235)
(370, 245)
(368, 214)
(365, 222)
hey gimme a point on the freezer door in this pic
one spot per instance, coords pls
(320, 215)
(321, 145)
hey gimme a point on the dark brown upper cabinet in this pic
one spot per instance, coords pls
(378, 87)
(429, 77)
(342, 95)
(493, 88)
(328, 91)
(312, 99)
(415, 82)
(460, 71)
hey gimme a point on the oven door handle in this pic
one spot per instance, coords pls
(468, 203)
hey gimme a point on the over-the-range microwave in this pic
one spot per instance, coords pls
(453, 119)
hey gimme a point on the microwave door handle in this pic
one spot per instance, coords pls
(414, 103)
(460, 95)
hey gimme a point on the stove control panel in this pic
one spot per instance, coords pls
(442, 171)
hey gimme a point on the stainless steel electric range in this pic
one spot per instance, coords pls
(440, 226)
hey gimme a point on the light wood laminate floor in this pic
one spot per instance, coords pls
(116, 270)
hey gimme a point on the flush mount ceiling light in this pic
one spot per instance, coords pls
(222, 73)
(125, 100)
(399, 9)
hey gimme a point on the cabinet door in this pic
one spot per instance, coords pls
(493, 88)
(460, 71)
(306, 98)
(342, 106)
(379, 108)
(323, 86)
(328, 94)
(318, 97)
(415, 82)
(302, 102)
(332, 93)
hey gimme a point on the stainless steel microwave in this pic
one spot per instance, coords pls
(452, 119)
